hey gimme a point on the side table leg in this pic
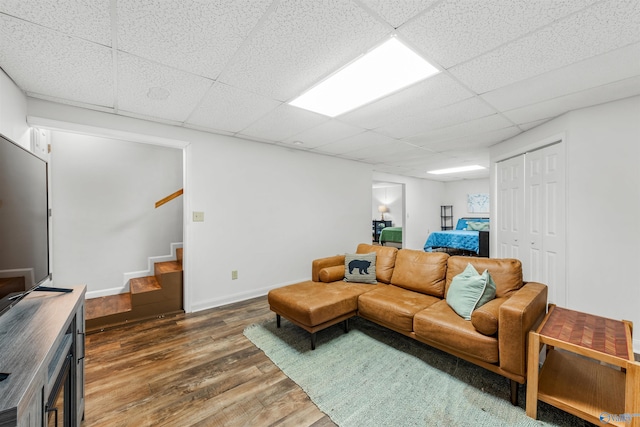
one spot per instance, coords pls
(533, 368)
(632, 393)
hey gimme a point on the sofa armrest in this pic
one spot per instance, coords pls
(319, 264)
(521, 313)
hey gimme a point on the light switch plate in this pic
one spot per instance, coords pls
(198, 216)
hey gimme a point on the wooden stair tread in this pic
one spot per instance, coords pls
(106, 306)
(144, 284)
(167, 267)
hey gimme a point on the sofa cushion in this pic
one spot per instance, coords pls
(360, 268)
(313, 303)
(485, 318)
(420, 271)
(393, 307)
(470, 290)
(385, 259)
(441, 325)
(331, 274)
(506, 272)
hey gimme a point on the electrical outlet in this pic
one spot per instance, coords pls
(198, 216)
(234, 275)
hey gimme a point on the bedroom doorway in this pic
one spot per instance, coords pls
(388, 211)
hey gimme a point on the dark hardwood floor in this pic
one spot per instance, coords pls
(193, 369)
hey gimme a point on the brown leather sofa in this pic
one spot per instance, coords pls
(409, 298)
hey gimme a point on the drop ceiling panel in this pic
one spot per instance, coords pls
(43, 61)
(472, 127)
(558, 106)
(283, 122)
(201, 36)
(325, 133)
(139, 78)
(475, 140)
(384, 153)
(578, 37)
(417, 100)
(89, 20)
(362, 140)
(397, 12)
(592, 72)
(300, 43)
(463, 111)
(230, 109)
(455, 31)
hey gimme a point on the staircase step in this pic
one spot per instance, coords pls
(144, 284)
(179, 255)
(167, 267)
(107, 306)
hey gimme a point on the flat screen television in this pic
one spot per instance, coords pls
(24, 223)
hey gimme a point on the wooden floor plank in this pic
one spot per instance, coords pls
(193, 369)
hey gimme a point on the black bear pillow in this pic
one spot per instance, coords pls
(360, 268)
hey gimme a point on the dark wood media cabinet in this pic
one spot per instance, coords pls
(42, 351)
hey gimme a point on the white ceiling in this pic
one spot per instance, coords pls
(230, 66)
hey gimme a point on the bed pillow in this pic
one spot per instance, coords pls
(477, 226)
(360, 268)
(470, 290)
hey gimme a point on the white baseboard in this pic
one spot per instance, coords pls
(150, 265)
(240, 296)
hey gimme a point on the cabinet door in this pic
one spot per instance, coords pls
(80, 352)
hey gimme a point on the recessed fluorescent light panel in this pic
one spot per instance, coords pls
(458, 169)
(383, 70)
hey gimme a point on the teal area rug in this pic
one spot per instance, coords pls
(375, 377)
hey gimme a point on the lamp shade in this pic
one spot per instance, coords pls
(383, 208)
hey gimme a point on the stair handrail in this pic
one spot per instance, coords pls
(169, 198)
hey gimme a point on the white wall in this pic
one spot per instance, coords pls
(265, 206)
(389, 195)
(104, 221)
(455, 194)
(13, 112)
(603, 204)
(422, 207)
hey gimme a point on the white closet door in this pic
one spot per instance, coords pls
(510, 218)
(543, 249)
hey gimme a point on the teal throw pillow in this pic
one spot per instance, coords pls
(470, 290)
(477, 226)
(360, 268)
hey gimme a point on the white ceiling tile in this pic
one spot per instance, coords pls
(283, 122)
(299, 44)
(89, 20)
(137, 76)
(484, 139)
(325, 133)
(417, 100)
(595, 71)
(531, 125)
(46, 62)
(195, 36)
(230, 109)
(463, 111)
(578, 37)
(455, 31)
(397, 12)
(473, 127)
(362, 140)
(387, 152)
(560, 105)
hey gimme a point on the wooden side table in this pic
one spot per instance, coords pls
(589, 370)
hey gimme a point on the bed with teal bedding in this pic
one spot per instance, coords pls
(391, 234)
(470, 236)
